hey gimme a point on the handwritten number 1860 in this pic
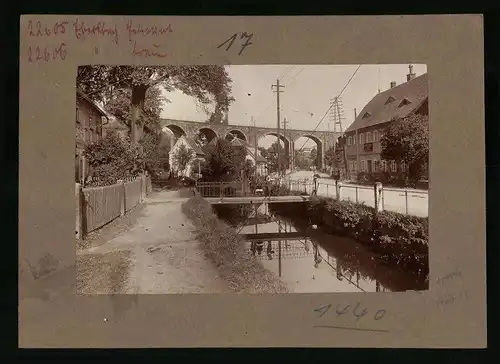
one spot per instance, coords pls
(341, 311)
(229, 42)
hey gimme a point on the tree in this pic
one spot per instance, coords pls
(113, 158)
(207, 84)
(155, 148)
(271, 155)
(314, 156)
(200, 139)
(118, 104)
(301, 160)
(334, 157)
(224, 161)
(407, 140)
(180, 158)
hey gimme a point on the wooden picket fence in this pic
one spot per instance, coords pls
(98, 206)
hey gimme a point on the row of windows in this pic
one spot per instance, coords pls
(376, 166)
(368, 137)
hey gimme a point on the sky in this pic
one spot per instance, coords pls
(305, 98)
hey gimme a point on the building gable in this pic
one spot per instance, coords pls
(408, 97)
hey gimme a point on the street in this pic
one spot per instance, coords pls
(410, 201)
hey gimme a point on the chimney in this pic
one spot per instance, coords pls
(410, 76)
(226, 118)
(393, 84)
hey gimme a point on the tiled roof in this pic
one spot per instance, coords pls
(407, 97)
(242, 143)
(88, 99)
(192, 144)
(238, 142)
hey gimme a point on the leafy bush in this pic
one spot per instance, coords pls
(113, 158)
(155, 148)
(316, 209)
(181, 158)
(349, 218)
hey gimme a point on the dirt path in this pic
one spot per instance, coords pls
(162, 252)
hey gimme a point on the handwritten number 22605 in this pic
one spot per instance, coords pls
(343, 310)
(229, 42)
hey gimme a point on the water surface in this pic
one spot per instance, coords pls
(316, 262)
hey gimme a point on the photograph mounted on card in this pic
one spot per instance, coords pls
(196, 173)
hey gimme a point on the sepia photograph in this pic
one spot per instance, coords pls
(251, 179)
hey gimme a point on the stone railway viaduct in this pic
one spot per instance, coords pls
(323, 139)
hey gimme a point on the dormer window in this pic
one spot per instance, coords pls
(404, 102)
(390, 99)
(366, 115)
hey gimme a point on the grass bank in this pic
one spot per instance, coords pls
(224, 248)
(102, 273)
(398, 239)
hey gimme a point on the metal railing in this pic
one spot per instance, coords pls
(219, 189)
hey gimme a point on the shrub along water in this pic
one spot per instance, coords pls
(223, 246)
(397, 238)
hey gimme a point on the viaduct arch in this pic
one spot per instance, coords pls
(323, 139)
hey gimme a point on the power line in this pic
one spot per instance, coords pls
(294, 77)
(285, 71)
(327, 111)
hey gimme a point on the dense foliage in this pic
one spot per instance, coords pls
(118, 104)
(271, 155)
(302, 160)
(224, 161)
(141, 85)
(156, 148)
(407, 140)
(113, 158)
(334, 158)
(181, 156)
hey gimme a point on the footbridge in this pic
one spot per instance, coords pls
(240, 193)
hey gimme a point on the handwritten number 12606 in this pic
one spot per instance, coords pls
(46, 54)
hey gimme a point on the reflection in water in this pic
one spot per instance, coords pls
(334, 264)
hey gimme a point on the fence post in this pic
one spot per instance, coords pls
(123, 206)
(377, 190)
(406, 200)
(79, 211)
(338, 187)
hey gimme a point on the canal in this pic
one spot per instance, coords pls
(308, 260)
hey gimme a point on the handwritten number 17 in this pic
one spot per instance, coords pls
(231, 40)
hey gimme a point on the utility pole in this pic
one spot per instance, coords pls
(278, 91)
(285, 123)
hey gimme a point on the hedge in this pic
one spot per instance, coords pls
(222, 245)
